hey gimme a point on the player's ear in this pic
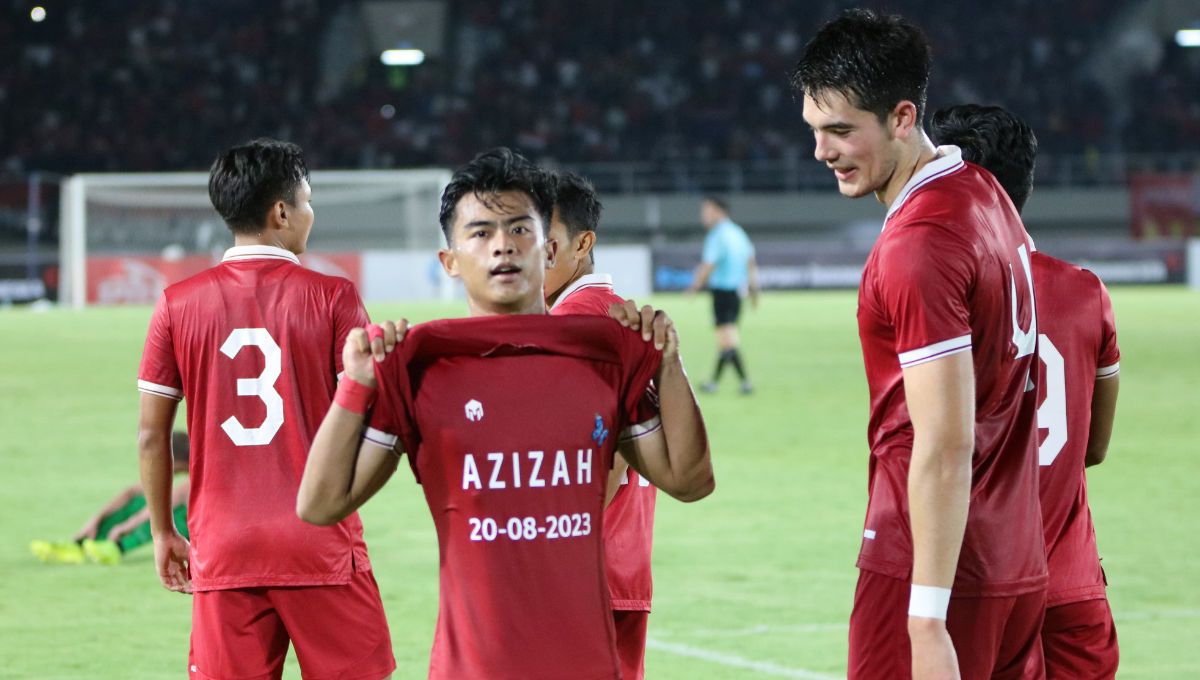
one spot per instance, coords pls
(551, 253)
(587, 241)
(449, 262)
(903, 119)
(277, 217)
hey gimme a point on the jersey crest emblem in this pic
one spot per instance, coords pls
(600, 433)
(474, 411)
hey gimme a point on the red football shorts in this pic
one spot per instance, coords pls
(995, 637)
(339, 632)
(1080, 641)
(631, 642)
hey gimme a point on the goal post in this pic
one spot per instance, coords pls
(167, 218)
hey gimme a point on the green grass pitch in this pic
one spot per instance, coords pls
(755, 581)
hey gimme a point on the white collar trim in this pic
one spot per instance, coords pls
(948, 160)
(585, 281)
(239, 253)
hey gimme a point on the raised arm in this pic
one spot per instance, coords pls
(1104, 411)
(343, 470)
(941, 402)
(155, 422)
(675, 458)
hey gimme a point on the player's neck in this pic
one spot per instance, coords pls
(914, 157)
(535, 305)
(586, 270)
(266, 238)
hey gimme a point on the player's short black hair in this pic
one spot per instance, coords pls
(719, 202)
(578, 204)
(246, 180)
(491, 172)
(994, 138)
(874, 60)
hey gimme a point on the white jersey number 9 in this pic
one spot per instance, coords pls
(1052, 414)
(262, 387)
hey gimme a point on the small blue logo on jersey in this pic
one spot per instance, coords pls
(600, 433)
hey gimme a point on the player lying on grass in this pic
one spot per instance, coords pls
(574, 287)
(511, 419)
(1077, 344)
(123, 523)
(253, 345)
(952, 567)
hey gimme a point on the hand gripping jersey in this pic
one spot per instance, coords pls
(511, 423)
(629, 518)
(254, 346)
(1077, 346)
(951, 273)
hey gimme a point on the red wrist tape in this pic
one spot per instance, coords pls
(354, 396)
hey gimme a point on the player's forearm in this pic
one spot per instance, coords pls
(939, 493)
(688, 455)
(155, 421)
(154, 457)
(700, 278)
(1104, 411)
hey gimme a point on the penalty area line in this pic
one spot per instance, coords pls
(764, 667)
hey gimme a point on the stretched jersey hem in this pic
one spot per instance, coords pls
(1057, 598)
(290, 581)
(1008, 588)
(631, 605)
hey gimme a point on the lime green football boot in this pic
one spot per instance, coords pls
(102, 552)
(62, 552)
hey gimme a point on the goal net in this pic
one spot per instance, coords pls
(124, 237)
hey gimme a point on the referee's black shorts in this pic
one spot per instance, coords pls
(727, 306)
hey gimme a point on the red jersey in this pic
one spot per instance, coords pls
(254, 346)
(1077, 346)
(629, 518)
(951, 273)
(513, 421)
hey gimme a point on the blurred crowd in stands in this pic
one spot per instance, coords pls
(139, 85)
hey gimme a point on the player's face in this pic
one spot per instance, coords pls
(853, 143)
(300, 219)
(499, 250)
(567, 260)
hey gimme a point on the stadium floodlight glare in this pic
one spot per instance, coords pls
(37, 14)
(402, 57)
(1188, 37)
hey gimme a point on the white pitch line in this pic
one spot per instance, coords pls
(764, 667)
(765, 629)
(1119, 616)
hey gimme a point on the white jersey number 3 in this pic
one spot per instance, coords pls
(262, 387)
(1052, 414)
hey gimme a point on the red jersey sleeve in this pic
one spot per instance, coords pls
(924, 279)
(158, 373)
(348, 314)
(1108, 362)
(390, 422)
(639, 399)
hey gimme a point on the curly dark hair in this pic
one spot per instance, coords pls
(246, 180)
(491, 172)
(994, 138)
(874, 60)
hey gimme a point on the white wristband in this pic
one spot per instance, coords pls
(929, 602)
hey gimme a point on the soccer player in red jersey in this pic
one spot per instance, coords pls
(952, 567)
(1077, 344)
(252, 345)
(574, 287)
(511, 419)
